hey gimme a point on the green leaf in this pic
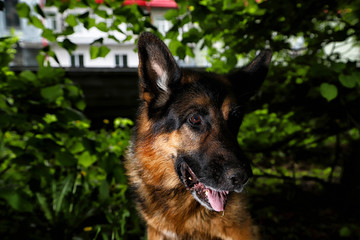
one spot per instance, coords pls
(40, 58)
(356, 76)
(28, 76)
(23, 10)
(119, 175)
(68, 45)
(328, 91)
(123, 221)
(81, 105)
(348, 81)
(84, 15)
(114, 38)
(122, 122)
(86, 159)
(49, 74)
(181, 52)
(101, 13)
(65, 187)
(50, 118)
(76, 147)
(193, 35)
(103, 51)
(49, 35)
(39, 10)
(53, 55)
(120, 11)
(66, 159)
(189, 52)
(98, 51)
(44, 206)
(99, 40)
(231, 60)
(70, 114)
(73, 90)
(36, 22)
(345, 232)
(71, 20)
(68, 31)
(174, 45)
(89, 23)
(102, 26)
(94, 52)
(171, 14)
(227, 4)
(3, 102)
(104, 191)
(338, 67)
(17, 200)
(52, 93)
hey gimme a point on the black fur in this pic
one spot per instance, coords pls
(187, 129)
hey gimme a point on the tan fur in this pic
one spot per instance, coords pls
(189, 118)
(150, 165)
(225, 108)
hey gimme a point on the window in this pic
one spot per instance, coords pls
(29, 56)
(120, 60)
(51, 21)
(77, 60)
(11, 17)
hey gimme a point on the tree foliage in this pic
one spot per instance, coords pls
(312, 89)
(305, 127)
(107, 17)
(61, 179)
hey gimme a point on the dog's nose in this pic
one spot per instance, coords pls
(238, 179)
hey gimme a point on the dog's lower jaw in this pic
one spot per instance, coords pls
(197, 222)
(200, 201)
(171, 212)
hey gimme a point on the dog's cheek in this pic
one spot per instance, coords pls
(167, 144)
(189, 139)
(182, 140)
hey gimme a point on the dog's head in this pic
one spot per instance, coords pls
(198, 116)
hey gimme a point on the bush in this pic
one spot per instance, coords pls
(59, 179)
(302, 132)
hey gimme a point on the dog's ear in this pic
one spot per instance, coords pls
(158, 71)
(248, 79)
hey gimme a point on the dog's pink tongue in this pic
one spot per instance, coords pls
(216, 200)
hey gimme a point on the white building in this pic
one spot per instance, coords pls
(30, 37)
(121, 55)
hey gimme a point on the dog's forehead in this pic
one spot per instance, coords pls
(207, 89)
(189, 76)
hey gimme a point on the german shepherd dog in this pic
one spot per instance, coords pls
(184, 163)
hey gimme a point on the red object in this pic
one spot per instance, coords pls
(153, 3)
(44, 42)
(99, 1)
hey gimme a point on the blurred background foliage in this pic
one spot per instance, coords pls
(59, 180)
(62, 180)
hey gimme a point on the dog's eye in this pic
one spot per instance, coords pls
(195, 120)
